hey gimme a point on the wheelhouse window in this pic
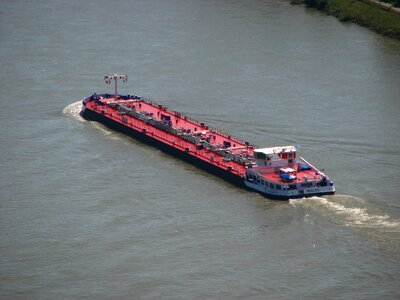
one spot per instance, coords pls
(260, 155)
(306, 184)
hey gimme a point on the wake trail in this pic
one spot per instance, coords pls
(350, 211)
(361, 216)
(73, 111)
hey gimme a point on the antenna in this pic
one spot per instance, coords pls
(109, 78)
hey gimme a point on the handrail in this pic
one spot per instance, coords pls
(123, 109)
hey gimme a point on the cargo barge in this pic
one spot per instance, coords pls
(275, 172)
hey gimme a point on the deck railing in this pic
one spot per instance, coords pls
(225, 153)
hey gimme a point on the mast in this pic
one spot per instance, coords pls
(115, 77)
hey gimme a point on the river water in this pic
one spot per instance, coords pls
(87, 213)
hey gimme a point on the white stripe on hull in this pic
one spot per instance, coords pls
(286, 193)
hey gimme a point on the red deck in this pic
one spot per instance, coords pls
(177, 121)
(302, 176)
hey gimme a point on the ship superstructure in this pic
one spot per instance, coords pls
(279, 173)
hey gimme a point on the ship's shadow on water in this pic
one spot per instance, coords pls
(357, 214)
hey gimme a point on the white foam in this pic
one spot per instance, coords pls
(73, 111)
(104, 130)
(352, 212)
